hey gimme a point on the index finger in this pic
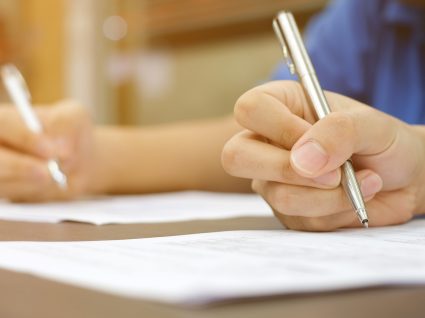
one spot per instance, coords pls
(277, 111)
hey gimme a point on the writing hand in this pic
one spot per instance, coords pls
(294, 161)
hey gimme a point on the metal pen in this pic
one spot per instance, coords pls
(20, 95)
(299, 63)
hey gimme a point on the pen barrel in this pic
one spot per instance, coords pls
(290, 38)
(352, 189)
(315, 95)
(14, 83)
(294, 51)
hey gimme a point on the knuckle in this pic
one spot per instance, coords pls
(343, 124)
(246, 104)
(335, 128)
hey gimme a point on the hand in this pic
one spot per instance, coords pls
(67, 137)
(294, 161)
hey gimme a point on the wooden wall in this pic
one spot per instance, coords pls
(42, 42)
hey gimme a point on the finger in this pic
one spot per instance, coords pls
(247, 156)
(23, 191)
(335, 138)
(384, 209)
(27, 179)
(16, 166)
(391, 207)
(312, 202)
(268, 115)
(22, 176)
(319, 224)
(30, 194)
(14, 133)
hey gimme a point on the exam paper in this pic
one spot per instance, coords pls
(202, 268)
(154, 208)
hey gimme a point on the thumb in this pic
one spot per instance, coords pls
(334, 139)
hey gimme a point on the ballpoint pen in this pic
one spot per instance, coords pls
(21, 98)
(299, 63)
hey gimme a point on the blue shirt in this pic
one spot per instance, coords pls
(373, 51)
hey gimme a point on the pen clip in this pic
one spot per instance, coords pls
(10, 71)
(286, 54)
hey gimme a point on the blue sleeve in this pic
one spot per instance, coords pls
(338, 41)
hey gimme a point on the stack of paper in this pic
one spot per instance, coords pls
(202, 268)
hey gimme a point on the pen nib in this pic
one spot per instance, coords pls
(365, 224)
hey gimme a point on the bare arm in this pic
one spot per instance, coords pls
(182, 156)
(179, 156)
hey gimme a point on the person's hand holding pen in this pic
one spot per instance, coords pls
(294, 161)
(67, 135)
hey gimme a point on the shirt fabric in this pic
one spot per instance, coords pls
(373, 51)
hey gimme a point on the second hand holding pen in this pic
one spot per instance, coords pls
(299, 62)
(20, 96)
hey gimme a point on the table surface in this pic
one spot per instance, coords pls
(24, 295)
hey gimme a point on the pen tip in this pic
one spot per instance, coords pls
(365, 224)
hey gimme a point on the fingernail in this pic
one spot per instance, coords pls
(371, 185)
(310, 157)
(331, 179)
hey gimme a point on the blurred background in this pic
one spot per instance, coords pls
(135, 62)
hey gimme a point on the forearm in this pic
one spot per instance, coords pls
(181, 156)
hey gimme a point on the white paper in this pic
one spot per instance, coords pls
(202, 268)
(154, 208)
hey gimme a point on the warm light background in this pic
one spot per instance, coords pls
(177, 59)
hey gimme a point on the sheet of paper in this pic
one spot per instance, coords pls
(155, 208)
(202, 268)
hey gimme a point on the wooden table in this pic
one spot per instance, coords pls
(23, 295)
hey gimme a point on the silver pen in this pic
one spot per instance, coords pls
(20, 95)
(299, 63)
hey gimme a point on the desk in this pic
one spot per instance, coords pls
(27, 296)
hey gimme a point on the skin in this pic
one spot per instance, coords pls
(110, 160)
(294, 161)
(301, 184)
(67, 136)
